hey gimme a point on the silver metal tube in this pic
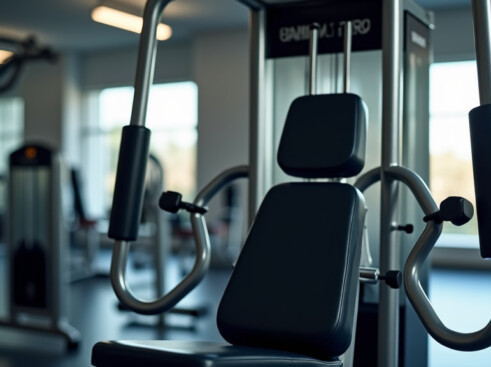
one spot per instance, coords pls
(202, 260)
(257, 144)
(417, 186)
(368, 179)
(347, 56)
(313, 42)
(144, 78)
(481, 10)
(219, 182)
(369, 275)
(146, 59)
(170, 299)
(460, 341)
(473, 341)
(388, 321)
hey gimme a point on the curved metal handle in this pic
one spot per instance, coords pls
(460, 341)
(202, 260)
(144, 77)
(452, 339)
(170, 299)
(219, 182)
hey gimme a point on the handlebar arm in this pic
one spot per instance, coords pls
(219, 182)
(202, 260)
(146, 59)
(170, 299)
(460, 341)
(452, 339)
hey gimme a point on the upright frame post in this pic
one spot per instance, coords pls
(388, 323)
(257, 129)
(482, 36)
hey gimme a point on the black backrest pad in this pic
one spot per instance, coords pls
(294, 286)
(324, 136)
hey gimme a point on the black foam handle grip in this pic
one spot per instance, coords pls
(130, 181)
(480, 132)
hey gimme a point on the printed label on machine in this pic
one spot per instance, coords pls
(287, 37)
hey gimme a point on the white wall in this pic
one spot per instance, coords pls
(221, 70)
(220, 65)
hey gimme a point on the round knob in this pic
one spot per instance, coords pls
(457, 210)
(393, 278)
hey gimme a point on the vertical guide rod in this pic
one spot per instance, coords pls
(388, 322)
(313, 42)
(146, 60)
(257, 125)
(347, 55)
(481, 10)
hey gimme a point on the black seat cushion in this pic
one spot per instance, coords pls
(158, 353)
(294, 286)
(324, 136)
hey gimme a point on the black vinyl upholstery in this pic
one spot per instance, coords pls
(324, 136)
(158, 353)
(295, 282)
(292, 297)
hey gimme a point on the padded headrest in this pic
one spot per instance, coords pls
(324, 136)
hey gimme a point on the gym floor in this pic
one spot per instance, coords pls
(94, 312)
(462, 298)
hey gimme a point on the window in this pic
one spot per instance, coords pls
(172, 118)
(11, 137)
(11, 128)
(453, 93)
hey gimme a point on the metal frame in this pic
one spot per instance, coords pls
(257, 126)
(388, 334)
(481, 10)
(460, 341)
(54, 314)
(389, 174)
(388, 321)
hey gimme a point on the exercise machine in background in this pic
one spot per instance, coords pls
(37, 240)
(84, 237)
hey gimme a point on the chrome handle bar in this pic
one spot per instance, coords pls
(202, 260)
(452, 339)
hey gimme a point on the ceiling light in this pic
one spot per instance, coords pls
(133, 23)
(5, 56)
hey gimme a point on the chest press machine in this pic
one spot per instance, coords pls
(293, 294)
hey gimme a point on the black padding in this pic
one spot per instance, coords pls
(324, 136)
(480, 132)
(294, 286)
(130, 181)
(160, 353)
